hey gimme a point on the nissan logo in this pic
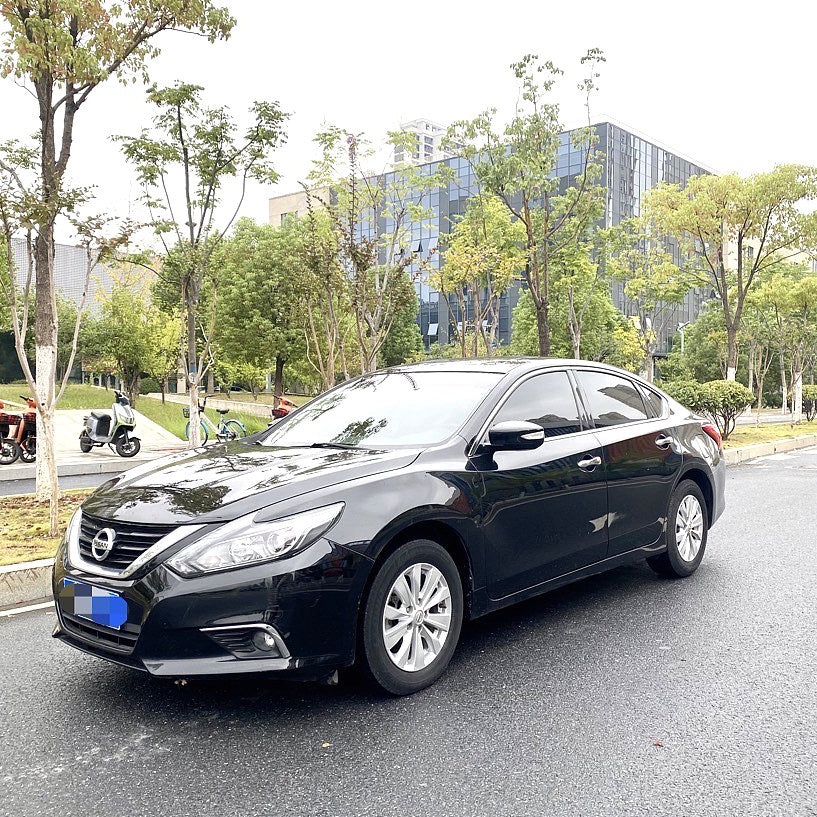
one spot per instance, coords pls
(102, 544)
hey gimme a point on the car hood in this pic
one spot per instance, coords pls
(228, 480)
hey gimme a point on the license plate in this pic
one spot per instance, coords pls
(95, 604)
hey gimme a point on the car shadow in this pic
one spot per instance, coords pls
(495, 645)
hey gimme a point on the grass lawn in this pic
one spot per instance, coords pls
(24, 527)
(170, 416)
(749, 435)
(75, 397)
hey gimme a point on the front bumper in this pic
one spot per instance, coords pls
(311, 600)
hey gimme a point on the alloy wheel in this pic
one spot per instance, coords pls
(417, 617)
(689, 527)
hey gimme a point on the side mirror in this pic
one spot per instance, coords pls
(515, 435)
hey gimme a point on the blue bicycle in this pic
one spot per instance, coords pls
(225, 431)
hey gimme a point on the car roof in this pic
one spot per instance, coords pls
(501, 365)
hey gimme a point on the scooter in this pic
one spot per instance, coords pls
(113, 429)
(22, 441)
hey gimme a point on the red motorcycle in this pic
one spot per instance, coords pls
(19, 434)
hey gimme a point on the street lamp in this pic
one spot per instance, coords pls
(681, 328)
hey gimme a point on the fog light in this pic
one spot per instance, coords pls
(264, 641)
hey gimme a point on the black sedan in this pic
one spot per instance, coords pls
(368, 524)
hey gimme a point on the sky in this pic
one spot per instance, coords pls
(726, 84)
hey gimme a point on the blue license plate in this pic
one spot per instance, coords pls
(97, 605)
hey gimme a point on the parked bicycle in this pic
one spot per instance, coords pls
(225, 431)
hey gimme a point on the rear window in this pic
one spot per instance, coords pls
(612, 400)
(654, 401)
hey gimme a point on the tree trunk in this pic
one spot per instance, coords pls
(543, 329)
(164, 389)
(278, 389)
(752, 366)
(797, 393)
(731, 352)
(784, 406)
(211, 382)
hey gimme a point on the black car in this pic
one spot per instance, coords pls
(368, 524)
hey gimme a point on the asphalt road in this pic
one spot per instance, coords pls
(28, 486)
(623, 695)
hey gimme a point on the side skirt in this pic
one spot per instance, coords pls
(489, 605)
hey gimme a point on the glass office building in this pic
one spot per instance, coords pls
(631, 165)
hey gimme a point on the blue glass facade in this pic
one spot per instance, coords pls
(631, 165)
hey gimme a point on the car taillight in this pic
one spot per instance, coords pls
(712, 431)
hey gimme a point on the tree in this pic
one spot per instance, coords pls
(483, 255)
(165, 348)
(195, 150)
(125, 332)
(62, 50)
(733, 228)
(518, 164)
(261, 312)
(372, 218)
(653, 285)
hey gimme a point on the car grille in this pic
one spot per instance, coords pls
(121, 641)
(130, 542)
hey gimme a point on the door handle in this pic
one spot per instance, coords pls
(589, 463)
(664, 441)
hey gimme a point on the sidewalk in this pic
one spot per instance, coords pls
(156, 442)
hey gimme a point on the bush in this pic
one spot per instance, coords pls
(810, 401)
(719, 400)
(149, 385)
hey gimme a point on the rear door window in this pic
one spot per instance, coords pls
(612, 400)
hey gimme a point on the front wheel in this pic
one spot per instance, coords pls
(85, 444)
(204, 433)
(234, 430)
(9, 452)
(412, 618)
(128, 446)
(687, 526)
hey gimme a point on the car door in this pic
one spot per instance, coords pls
(641, 457)
(544, 509)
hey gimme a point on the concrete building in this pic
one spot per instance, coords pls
(426, 145)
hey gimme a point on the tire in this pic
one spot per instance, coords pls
(28, 450)
(235, 430)
(9, 452)
(205, 434)
(128, 447)
(85, 444)
(420, 667)
(683, 553)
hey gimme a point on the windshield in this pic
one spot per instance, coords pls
(387, 409)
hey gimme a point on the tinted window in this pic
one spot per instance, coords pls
(546, 400)
(655, 403)
(387, 409)
(611, 400)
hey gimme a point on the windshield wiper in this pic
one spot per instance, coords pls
(333, 445)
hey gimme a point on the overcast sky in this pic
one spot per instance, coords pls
(727, 84)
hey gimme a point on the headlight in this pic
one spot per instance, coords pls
(244, 542)
(71, 533)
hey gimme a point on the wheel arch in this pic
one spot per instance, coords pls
(703, 480)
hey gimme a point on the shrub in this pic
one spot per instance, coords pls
(810, 401)
(688, 393)
(149, 385)
(719, 400)
(723, 401)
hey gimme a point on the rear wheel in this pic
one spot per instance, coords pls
(28, 450)
(9, 452)
(412, 618)
(234, 430)
(687, 526)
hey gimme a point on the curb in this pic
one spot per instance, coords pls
(31, 581)
(25, 582)
(734, 456)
